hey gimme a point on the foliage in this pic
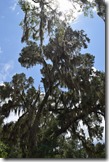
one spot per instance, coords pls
(87, 7)
(73, 95)
(3, 150)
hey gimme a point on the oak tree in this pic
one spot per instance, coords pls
(62, 120)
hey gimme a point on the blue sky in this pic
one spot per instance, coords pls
(10, 41)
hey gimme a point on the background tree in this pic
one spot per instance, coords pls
(73, 92)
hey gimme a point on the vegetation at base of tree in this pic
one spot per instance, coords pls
(3, 150)
(62, 119)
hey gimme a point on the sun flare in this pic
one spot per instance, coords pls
(67, 9)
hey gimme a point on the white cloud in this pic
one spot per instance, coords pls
(2, 84)
(13, 7)
(18, 13)
(1, 50)
(5, 71)
(2, 17)
(12, 117)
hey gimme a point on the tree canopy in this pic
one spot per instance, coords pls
(62, 120)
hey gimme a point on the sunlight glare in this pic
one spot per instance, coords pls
(67, 9)
(64, 5)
